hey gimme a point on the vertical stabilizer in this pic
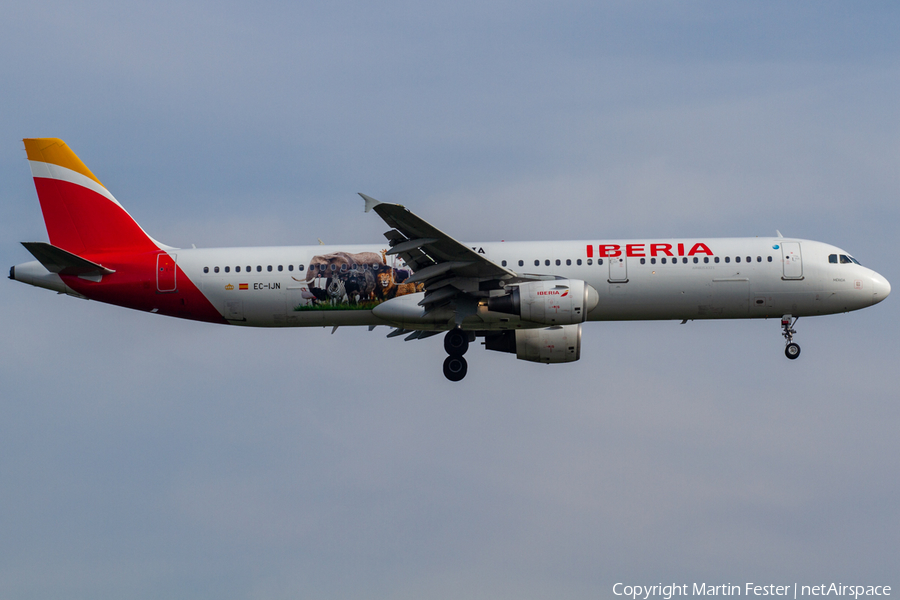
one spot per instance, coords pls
(81, 215)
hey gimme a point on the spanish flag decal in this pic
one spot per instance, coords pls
(243, 286)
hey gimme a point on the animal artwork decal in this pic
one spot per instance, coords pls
(344, 280)
(388, 287)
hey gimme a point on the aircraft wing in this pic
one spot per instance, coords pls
(451, 271)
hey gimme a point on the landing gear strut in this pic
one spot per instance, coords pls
(791, 349)
(456, 343)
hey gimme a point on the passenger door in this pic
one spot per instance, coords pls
(793, 263)
(165, 272)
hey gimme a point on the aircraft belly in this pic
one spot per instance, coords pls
(241, 304)
(654, 296)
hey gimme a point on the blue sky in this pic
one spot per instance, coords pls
(143, 456)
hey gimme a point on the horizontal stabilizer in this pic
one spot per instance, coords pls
(59, 261)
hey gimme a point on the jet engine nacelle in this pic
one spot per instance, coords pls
(558, 344)
(555, 302)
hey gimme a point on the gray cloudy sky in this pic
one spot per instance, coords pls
(145, 457)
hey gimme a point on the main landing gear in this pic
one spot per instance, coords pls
(456, 343)
(791, 349)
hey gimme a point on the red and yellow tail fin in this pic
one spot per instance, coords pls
(81, 215)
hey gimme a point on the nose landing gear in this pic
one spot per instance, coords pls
(791, 348)
(456, 343)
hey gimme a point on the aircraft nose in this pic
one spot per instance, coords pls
(881, 288)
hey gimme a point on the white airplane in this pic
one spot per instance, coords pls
(526, 298)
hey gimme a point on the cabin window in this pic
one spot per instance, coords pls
(299, 267)
(547, 262)
(590, 261)
(599, 261)
(728, 259)
(521, 263)
(568, 262)
(343, 268)
(684, 260)
(558, 262)
(705, 259)
(749, 259)
(237, 269)
(770, 259)
(280, 268)
(537, 263)
(716, 259)
(737, 259)
(216, 269)
(502, 263)
(258, 268)
(578, 262)
(643, 261)
(269, 268)
(290, 267)
(652, 261)
(227, 269)
(663, 260)
(206, 269)
(696, 260)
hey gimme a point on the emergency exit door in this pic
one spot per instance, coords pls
(618, 269)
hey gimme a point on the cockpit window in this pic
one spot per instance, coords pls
(856, 262)
(845, 260)
(832, 258)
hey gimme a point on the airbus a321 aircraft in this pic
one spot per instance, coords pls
(525, 298)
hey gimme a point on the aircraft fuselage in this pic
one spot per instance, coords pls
(728, 278)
